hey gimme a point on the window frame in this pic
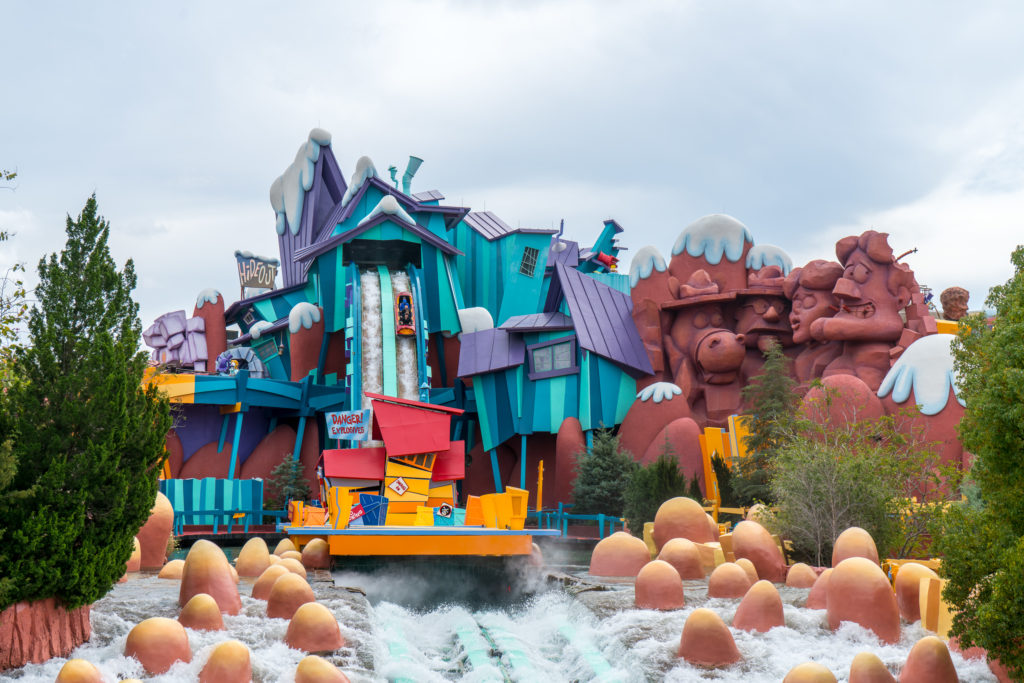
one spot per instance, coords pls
(534, 258)
(574, 369)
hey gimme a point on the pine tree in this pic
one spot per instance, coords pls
(87, 439)
(288, 482)
(772, 401)
(601, 477)
(651, 485)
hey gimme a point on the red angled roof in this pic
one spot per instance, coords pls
(354, 463)
(414, 404)
(410, 427)
(450, 464)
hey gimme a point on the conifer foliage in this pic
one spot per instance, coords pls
(87, 439)
(602, 476)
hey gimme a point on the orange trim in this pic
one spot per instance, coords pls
(430, 545)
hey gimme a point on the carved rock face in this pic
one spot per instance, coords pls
(763, 319)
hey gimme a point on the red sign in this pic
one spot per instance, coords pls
(356, 512)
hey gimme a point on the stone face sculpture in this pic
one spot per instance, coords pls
(954, 302)
(809, 290)
(761, 317)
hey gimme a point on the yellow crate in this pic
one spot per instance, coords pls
(518, 501)
(401, 518)
(497, 510)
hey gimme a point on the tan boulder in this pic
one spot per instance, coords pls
(156, 532)
(658, 586)
(728, 581)
(172, 570)
(292, 554)
(234, 573)
(283, 546)
(313, 669)
(274, 559)
(158, 643)
(684, 555)
(854, 542)
(749, 568)
(713, 527)
(681, 518)
(620, 554)
(868, 668)
(809, 672)
(261, 589)
(801, 575)
(201, 613)
(929, 662)
(314, 629)
(294, 566)
(79, 671)
(316, 555)
(907, 586)
(858, 591)
(817, 598)
(228, 663)
(207, 571)
(289, 592)
(253, 558)
(761, 609)
(752, 541)
(706, 640)
(134, 563)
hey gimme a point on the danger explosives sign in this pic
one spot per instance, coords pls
(399, 486)
(353, 425)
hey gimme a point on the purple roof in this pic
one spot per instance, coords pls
(428, 196)
(491, 227)
(270, 329)
(537, 321)
(332, 242)
(569, 256)
(489, 351)
(602, 317)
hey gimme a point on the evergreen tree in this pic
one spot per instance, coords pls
(87, 439)
(288, 482)
(983, 549)
(773, 401)
(651, 485)
(601, 477)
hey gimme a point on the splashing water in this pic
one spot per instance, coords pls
(408, 369)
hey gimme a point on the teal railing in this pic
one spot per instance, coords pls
(559, 518)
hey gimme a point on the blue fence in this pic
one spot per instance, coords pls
(558, 518)
(216, 502)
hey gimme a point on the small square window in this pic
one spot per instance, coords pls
(553, 358)
(249, 318)
(529, 262)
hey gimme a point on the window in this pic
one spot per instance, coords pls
(553, 358)
(529, 262)
(249, 318)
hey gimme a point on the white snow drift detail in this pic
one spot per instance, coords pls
(712, 237)
(926, 367)
(646, 261)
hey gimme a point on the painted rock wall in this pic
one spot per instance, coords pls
(38, 631)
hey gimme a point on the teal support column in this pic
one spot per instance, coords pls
(590, 439)
(498, 488)
(298, 438)
(234, 444)
(223, 432)
(522, 461)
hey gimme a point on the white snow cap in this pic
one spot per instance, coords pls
(927, 368)
(258, 327)
(303, 316)
(249, 254)
(761, 255)
(711, 237)
(364, 171)
(289, 190)
(658, 392)
(208, 295)
(388, 205)
(475, 319)
(645, 262)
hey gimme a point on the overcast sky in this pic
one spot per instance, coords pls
(807, 121)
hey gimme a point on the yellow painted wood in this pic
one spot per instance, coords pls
(425, 516)
(497, 509)
(518, 500)
(394, 468)
(400, 518)
(649, 539)
(738, 433)
(227, 410)
(177, 388)
(418, 489)
(339, 506)
(430, 545)
(947, 326)
(936, 615)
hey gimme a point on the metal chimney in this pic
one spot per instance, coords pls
(410, 171)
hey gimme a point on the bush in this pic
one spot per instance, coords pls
(602, 476)
(287, 482)
(651, 485)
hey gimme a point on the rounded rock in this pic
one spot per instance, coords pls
(658, 586)
(818, 597)
(274, 559)
(172, 570)
(228, 663)
(156, 532)
(79, 671)
(854, 542)
(620, 554)
(752, 541)
(801, 575)
(313, 669)
(681, 518)
(684, 555)
(761, 609)
(858, 591)
(234, 573)
(158, 643)
(729, 580)
(207, 571)
(314, 629)
(809, 672)
(283, 546)
(201, 613)
(294, 566)
(749, 568)
(292, 554)
(261, 589)
(868, 668)
(706, 640)
(253, 558)
(929, 662)
(316, 555)
(134, 563)
(288, 594)
(907, 586)
(713, 527)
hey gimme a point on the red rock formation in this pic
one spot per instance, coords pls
(854, 542)
(304, 342)
(706, 640)
(681, 518)
(37, 631)
(269, 453)
(568, 443)
(620, 554)
(841, 400)
(228, 663)
(760, 610)
(156, 532)
(215, 329)
(858, 591)
(175, 453)
(728, 581)
(752, 541)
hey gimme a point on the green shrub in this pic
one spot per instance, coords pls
(287, 482)
(602, 476)
(651, 485)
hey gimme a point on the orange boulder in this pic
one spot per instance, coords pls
(801, 576)
(681, 518)
(809, 672)
(314, 629)
(288, 594)
(907, 586)
(854, 542)
(316, 555)
(207, 571)
(79, 671)
(752, 541)
(158, 643)
(261, 589)
(313, 669)
(253, 558)
(761, 609)
(283, 546)
(728, 581)
(818, 597)
(620, 554)
(713, 527)
(684, 555)
(294, 566)
(658, 586)
(292, 554)
(172, 570)
(228, 663)
(868, 668)
(929, 662)
(134, 563)
(706, 640)
(201, 613)
(156, 532)
(749, 568)
(858, 591)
